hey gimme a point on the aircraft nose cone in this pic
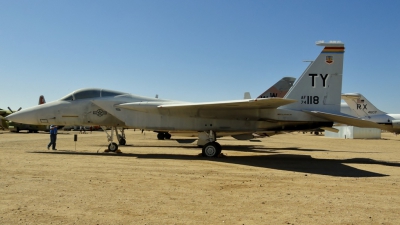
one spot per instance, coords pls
(24, 116)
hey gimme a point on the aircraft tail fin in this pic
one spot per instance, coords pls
(247, 95)
(279, 89)
(41, 100)
(320, 86)
(360, 105)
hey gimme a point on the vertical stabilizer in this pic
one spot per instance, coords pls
(41, 100)
(279, 89)
(360, 105)
(320, 86)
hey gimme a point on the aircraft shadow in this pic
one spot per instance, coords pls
(241, 148)
(286, 162)
(263, 149)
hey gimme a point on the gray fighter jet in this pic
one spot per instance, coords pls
(318, 90)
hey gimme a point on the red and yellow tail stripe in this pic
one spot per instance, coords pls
(333, 50)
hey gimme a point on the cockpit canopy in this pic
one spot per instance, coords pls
(89, 93)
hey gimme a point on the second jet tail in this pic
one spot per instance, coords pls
(360, 105)
(41, 100)
(279, 89)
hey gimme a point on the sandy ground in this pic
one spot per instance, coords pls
(286, 179)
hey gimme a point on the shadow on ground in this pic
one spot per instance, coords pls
(286, 162)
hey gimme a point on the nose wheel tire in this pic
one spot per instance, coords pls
(112, 147)
(211, 149)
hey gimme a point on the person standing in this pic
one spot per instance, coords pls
(53, 137)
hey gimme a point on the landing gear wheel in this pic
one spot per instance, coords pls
(122, 141)
(167, 136)
(219, 148)
(160, 136)
(112, 147)
(211, 149)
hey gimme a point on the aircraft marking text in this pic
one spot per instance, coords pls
(364, 106)
(307, 99)
(271, 95)
(313, 75)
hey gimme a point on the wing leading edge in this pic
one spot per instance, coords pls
(264, 103)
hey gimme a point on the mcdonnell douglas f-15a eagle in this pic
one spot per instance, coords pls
(317, 90)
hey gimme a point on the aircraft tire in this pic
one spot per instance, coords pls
(112, 147)
(219, 148)
(160, 136)
(211, 149)
(167, 136)
(122, 141)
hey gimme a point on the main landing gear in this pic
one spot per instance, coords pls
(210, 148)
(112, 147)
(207, 140)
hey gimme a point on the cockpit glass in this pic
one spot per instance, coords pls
(87, 94)
(91, 93)
(68, 98)
(107, 93)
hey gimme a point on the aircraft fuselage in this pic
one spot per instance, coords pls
(105, 111)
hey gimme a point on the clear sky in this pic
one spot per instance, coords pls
(204, 50)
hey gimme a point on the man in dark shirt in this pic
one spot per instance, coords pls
(53, 137)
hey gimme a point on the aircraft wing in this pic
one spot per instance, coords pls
(352, 121)
(261, 103)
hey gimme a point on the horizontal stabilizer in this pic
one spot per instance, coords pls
(352, 121)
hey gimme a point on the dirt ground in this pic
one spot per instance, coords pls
(285, 179)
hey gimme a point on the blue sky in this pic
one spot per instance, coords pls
(192, 50)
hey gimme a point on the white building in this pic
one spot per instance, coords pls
(351, 132)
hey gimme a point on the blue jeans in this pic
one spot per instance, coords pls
(53, 138)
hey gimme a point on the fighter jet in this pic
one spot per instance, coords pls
(317, 90)
(365, 110)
